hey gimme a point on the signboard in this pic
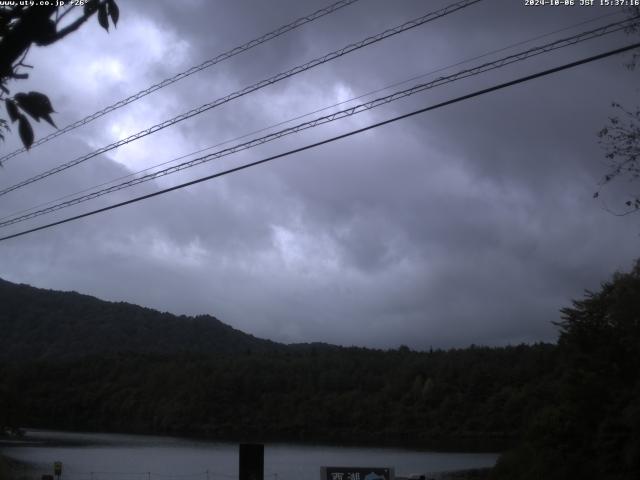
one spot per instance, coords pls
(356, 473)
(57, 468)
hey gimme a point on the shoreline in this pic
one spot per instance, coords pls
(469, 444)
(36, 438)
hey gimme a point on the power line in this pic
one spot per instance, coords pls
(517, 57)
(190, 71)
(332, 139)
(298, 117)
(252, 88)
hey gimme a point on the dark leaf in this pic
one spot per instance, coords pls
(3, 126)
(49, 120)
(596, 195)
(45, 34)
(12, 110)
(26, 132)
(42, 101)
(90, 7)
(35, 104)
(114, 11)
(22, 99)
(103, 18)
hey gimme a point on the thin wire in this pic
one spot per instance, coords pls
(403, 82)
(517, 57)
(195, 69)
(252, 88)
(330, 140)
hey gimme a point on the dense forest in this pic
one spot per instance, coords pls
(570, 410)
(344, 394)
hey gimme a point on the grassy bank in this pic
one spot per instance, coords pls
(13, 470)
(4, 468)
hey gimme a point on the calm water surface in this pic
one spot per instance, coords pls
(94, 456)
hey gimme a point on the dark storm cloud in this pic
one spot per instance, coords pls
(470, 224)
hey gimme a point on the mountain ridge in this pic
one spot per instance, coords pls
(38, 323)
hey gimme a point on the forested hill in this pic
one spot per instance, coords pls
(71, 361)
(572, 410)
(38, 324)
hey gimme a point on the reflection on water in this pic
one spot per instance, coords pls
(93, 456)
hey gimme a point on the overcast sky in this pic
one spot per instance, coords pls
(473, 223)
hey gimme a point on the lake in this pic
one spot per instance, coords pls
(96, 456)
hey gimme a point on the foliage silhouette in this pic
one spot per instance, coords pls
(591, 426)
(620, 138)
(22, 26)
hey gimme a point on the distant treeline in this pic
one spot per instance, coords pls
(337, 394)
(565, 411)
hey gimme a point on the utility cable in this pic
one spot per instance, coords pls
(252, 88)
(332, 139)
(190, 71)
(298, 117)
(517, 57)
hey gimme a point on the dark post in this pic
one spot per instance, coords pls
(251, 461)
